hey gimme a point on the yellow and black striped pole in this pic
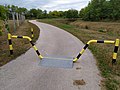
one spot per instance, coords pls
(10, 44)
(115, 51)
(33, 45)
(32, 33)
(92, 41)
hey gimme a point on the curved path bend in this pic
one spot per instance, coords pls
(24, 73)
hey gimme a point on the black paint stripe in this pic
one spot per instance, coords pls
(19, 36)
(113, 61)
(10, 42)
(86, 46)
(116, 49)
(37, 52)
(78, 56)
(11, 52)
(100, 41)
(32, 43)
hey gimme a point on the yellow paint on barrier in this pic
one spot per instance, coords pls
(114, 55)
(31, 29)
(40, 56)
(35, 48)
(92, 41)
(109, 42)
(9, 36)
(27, 38)
(75, 60)
(32, 35)
(10, 46)
(82, 51)
(117, 42)
(14, 36)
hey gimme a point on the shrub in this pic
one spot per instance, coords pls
(102, 30)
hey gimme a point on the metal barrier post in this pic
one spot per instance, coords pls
(10, 44)
(33, 45)
(32, 33)
(115, 51)
(92, 41)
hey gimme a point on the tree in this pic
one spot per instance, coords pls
(55, 14)
(72, 14)
(45, 14)
(21, 10)
(3, 12)
(100, 10)
(33, 13)
(115, 7)
(39, 14)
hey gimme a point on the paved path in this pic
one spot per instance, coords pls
(24, 73)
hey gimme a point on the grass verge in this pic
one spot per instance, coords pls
(102, 52)
(23, 44)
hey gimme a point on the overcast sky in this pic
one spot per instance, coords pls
(48, 5)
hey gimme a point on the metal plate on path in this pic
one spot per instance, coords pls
(57, 62)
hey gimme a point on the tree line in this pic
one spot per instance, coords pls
(5, 11)
(95, 11)
(100, 10)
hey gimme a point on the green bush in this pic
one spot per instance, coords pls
(102, 30)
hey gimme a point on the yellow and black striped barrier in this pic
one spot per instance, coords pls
(33, 45)
(115, 51)
(32, 33)
(10, 44)
(93, 41)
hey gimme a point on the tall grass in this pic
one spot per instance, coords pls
(1, 24)
(20, 46)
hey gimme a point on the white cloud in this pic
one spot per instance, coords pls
(66, 4)
(48, 4)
